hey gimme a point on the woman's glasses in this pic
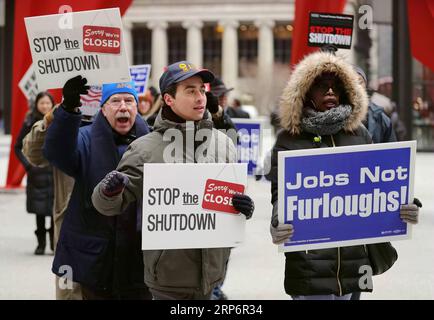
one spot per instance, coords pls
(324, 86)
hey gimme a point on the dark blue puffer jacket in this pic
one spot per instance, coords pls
(103, 252)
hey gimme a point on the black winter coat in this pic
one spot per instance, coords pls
(335, 270)
(39, 189)
(326, 271)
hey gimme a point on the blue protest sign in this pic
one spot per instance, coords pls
(140, 75)
(345, 196)
(249, 142)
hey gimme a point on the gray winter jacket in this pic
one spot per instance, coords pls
(180, 270)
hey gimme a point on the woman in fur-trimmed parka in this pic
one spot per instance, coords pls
(322, 105)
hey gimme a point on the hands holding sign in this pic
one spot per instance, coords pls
(243, 204)
(410, 212)
(72, 90)
(281, 232)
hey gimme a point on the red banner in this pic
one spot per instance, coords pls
(301, 24)
(421, 25)
(22, 60)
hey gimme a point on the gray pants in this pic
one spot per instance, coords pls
(323, 297)
(171, 295)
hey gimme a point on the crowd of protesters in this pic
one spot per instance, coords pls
(89, 178)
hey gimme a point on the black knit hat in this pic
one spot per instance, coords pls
(218, 87)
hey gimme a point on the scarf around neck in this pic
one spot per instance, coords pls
(325, 123)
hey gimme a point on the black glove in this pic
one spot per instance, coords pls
(71, 92)
(212, 102)
(243, 204)
(113, 183)
(417, 202)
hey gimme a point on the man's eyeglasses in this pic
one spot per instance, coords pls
(116, 102)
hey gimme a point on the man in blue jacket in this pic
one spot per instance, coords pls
(101, 253)
(377, 122)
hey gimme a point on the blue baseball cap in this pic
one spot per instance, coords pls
(180, 71)
(109, 89)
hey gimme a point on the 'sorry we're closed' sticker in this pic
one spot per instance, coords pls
(101, 39)
(218, 195)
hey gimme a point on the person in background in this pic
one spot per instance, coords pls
(63, 184)
(376, 121)
(381, 130)
(145, 103)
(156, 103)
(236, 110)
(390, 110)
(218, 88)
(39, 189)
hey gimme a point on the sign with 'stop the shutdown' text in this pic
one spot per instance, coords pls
(189, 205)
(330, 29)
(344, 196)
(92, 45)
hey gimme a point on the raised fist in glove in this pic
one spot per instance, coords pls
(243, 204)
(281, 232)
(212, 102)
(410, 212)
(113, 183)
(71, 92)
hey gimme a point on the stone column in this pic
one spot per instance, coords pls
(159, 49)
(2, 13)
(265, 63)
(128, 41)
(230, 53)
(194, 41)
(265, 47)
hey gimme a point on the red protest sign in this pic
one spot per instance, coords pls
(218, 195)
(102, 39)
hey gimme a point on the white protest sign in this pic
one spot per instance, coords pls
(28, 84)
(190, 205)
(93, 47)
